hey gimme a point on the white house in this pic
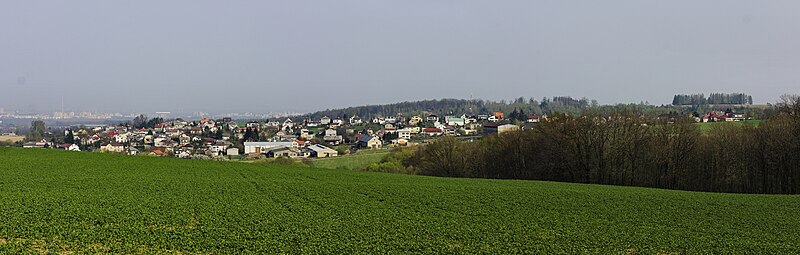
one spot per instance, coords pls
(288, 123)
(69, 147)
(264, 147)
(332, 137)
(325, 120)
(534, 118)
(404, 134)
(232, 152)
(218, 148)
(453, 121)
(355, 120)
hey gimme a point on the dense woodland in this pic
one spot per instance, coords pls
(625, 148)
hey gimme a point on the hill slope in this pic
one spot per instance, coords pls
(59, 201)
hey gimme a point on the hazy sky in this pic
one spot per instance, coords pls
(260, 56)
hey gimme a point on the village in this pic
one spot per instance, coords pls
(228, 139)
(325, 137)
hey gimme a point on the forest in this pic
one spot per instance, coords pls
(625, 148)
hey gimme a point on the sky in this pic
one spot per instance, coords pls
(274, 56)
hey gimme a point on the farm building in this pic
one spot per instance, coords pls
(497, 129)
(320, 151)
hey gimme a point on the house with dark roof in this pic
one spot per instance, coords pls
(370, 142)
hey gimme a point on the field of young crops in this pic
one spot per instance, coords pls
(357, 161)
(62, 202)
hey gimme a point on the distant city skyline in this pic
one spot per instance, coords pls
(305, 56)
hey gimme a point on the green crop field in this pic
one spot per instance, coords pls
(78, 202)
(358, 160)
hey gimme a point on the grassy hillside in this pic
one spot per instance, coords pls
(358, 160)
(706, 127)
(58, 201)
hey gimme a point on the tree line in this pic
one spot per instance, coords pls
(714, 98)
(463, 106)
(626, 148)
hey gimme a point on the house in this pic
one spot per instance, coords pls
(218, 148)
(470, 119)
(306, 134)
(498, 129)
(113, 147)
(414, 130)
(288, 123)
(498, 115)
(432, 118)
(736, 117)
(331, 137)
(184, 154)
(368, 141)
(160, 141)
(196, 130)
(273, 123)
(355, 120)
(232, 152)
(453, 121)
(449, 130)
(414, 120)
(185, 139)
(432, 131)
(404, 134)
(158, 151)
(713, 117)
(399, 142)
(173, 132)
(471, 129)
(325, 120)
(534, 119)
(121, 138)
(69, 147)
(319, 151)
(161, 151)
(264, 147)
(133, 151)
